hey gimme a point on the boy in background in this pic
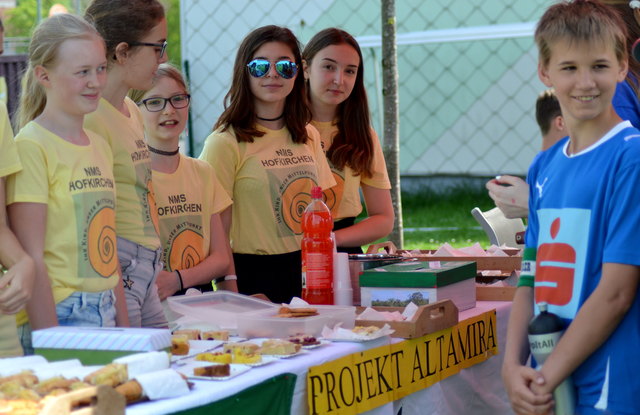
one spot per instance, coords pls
(583, 217)
(513, 199)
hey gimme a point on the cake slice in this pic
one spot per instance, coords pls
(279, 347)
(179, 345)
(213, 371)
(245, 357)
(215, 335)
(217, 357)
(192, 334)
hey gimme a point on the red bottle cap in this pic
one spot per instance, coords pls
(316, 192)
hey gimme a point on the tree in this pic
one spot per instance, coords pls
(23, 18)
(391, 134)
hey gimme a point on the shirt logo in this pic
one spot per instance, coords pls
(540, 186)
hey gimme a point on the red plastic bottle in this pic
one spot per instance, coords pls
(317, 251)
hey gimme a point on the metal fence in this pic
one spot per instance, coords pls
(467, 72)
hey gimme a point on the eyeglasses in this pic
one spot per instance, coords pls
(158, 103)
(260, 67)
(160, 47)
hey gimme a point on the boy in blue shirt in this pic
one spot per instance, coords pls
(584, 213)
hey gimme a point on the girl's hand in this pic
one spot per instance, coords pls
(15, 286)
(167, 283)
(525, 387)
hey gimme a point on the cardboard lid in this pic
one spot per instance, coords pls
(418, 274)
(102, 338)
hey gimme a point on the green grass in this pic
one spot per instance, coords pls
(447, 209)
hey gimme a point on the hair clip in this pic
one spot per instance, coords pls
(634, 4)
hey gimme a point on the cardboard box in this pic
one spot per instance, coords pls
(399, 284)
(489, 293)
(428, 319)
(97, 345)
(506, 264)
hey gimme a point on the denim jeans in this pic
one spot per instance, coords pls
(80, 309)
(140, 266)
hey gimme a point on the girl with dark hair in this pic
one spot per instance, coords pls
(267, 159)
(333, 67)
(135, 33)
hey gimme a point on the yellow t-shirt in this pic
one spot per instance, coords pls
(76, 183)
(9, 163)
(344, 198)
(270, 183)
(136, 218)
(186, 199)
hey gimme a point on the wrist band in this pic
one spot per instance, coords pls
(180, 279)
(230, 277)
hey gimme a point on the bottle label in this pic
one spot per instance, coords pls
(542, 345)
(317, 267)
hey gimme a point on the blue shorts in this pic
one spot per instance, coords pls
(80, 309)
(140, 267)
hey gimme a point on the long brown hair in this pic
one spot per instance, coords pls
(125, 21)
(239, 110)
(353, 144)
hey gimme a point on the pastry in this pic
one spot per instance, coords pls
(279, 347)
(245, 357)
(131, 390)
(213, 371)
(245, 347)
(215, 335)
(19, 407)
(46, 387)
(179, 344)
(25, 378)
(112, 375)
(304, 340)
(192, 334)
(217, 357)
(365, 330)
(288, 312)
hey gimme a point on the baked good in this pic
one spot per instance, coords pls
(217, 357)
(213, 371)
(14, 390)
(131, 390)
(245, 347)
(279, 347)
(25, 378)
(245, 357)
(112, 375)
(56, 383)
(215, 335)
(304, 340)
(288, 312)
(365, 330)
(179, 344)
(192, 334)
(19, 407)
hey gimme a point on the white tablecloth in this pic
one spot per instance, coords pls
(476, 390)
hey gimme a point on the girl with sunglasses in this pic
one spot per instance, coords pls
(267, 159)
(189, 198)
(135, 33)
(62, 203)
(333, 68)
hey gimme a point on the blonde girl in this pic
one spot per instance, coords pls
(334, 70)
(62, 204)
(189, 198)
(135, 33)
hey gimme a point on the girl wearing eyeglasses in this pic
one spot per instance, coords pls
(189, 198)
(135, 33)
(267, 159)
(334, 70)
(62, 204)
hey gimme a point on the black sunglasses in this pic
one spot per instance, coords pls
(161, 47)
(156, 104)
(260, 67)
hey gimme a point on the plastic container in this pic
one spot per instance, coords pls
(317, 251)
(219, 308)
(264, 323)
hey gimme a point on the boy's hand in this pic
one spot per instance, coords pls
(524, 386)
(15, 286)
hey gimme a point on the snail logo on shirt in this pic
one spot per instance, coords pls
(98, 234)
(146, 196)
(333, 195)
(561, 259)
(185, 250)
